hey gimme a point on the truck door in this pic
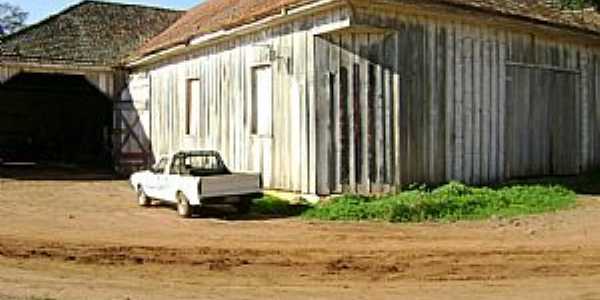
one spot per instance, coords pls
(161, 183)
(151, 186)
(171, 180)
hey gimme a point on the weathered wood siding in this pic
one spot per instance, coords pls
(225, 74)
(392, 100)
(407, 99)
(590, 121)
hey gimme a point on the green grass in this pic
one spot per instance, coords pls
(451, 202)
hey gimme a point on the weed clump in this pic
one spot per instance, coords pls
(450, 202)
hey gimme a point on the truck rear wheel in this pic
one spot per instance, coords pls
(184, 209)
(243, 207)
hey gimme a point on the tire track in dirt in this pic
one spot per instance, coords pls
(431, 265)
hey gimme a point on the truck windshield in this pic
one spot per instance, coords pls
(204, 162)
(200, 165)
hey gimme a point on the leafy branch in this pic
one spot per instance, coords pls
(12, 18)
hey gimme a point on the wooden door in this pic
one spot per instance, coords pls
(541, 134)
(563, 125)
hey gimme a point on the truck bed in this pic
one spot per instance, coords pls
(229, 185)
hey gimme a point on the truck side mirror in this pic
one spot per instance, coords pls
(155, 170)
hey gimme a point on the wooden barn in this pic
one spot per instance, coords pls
(327, 96)
(61, 83)
(320, 96)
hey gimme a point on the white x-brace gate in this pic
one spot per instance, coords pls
(131, 142)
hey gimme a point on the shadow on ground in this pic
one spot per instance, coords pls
(263, 209)
(587, 183)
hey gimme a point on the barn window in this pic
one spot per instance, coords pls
(191, 105)
(262, 101)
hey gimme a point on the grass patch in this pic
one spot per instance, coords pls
(453, 201)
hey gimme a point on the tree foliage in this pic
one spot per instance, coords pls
(12, 18)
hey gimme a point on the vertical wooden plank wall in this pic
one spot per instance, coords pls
(224, 71)
(424, 100)
(427, 106)
(475, 104)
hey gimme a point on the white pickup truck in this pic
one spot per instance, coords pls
(193, 179)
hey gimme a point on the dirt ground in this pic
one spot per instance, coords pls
(82, 236)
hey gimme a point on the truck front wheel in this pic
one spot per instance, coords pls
(143, 200)
(184, 209)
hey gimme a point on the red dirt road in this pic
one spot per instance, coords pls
(87, 239)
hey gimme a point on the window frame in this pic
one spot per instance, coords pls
(189, 103)
(254, 103)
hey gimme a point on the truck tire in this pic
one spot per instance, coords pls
(143, 200)
(184, 209)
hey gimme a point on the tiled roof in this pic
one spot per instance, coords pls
(214, 15)
(91, 33)
(535, 10)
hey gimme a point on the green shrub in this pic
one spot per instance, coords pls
(453, 201)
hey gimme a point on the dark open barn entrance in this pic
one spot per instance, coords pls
(54, 118)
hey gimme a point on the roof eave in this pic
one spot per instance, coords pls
(480, 15)
(56, 66)
(204, 40)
